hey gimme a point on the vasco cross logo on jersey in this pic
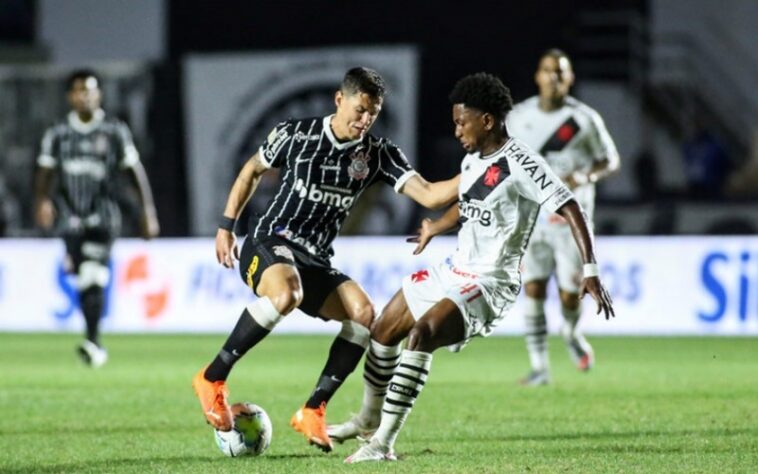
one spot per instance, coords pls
(358, 165)
(491, 176)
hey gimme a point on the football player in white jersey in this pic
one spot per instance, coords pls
(503, 184)
(574, 141)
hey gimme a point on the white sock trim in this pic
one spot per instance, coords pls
(416, 355)
(355, 333)
(385, 351)
(264, 313)
(92, 274)
(533, 306)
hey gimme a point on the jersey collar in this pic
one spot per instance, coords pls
(495, 153)
(330, 135)
(85, 127)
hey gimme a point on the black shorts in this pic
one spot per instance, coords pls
(318, 277)
(91, 245)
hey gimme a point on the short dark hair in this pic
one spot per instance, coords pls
(484, 92)
(80, 74)
(363, 79)
(556, 53)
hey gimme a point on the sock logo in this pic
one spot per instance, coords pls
(402, 390)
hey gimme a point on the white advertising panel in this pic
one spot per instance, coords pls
(660, 285)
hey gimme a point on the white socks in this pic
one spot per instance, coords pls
(536, 334)
(404, 387)
(380, 365)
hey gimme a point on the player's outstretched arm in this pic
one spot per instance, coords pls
(429, 228)
(150, 227)
(242, 190)
(600, 170)
(432, 195)
(583, 237)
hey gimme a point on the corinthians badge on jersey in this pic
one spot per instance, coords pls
(358, 168)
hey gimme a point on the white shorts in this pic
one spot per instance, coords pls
(425, 288)
(552, 249)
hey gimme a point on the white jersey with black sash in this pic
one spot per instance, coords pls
(500, 196)
(571, 138)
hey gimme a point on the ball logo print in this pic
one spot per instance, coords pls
(251, 434)
(141, 282)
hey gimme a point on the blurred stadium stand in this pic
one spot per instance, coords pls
(656, 70)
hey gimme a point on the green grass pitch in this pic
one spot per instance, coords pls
(650, 405)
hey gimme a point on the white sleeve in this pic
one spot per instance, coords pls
(536, 181)
(129, 153)
(600, 141)
(46, 158)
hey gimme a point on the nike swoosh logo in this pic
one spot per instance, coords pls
(235, 353)
(210, 413)
(335, 379)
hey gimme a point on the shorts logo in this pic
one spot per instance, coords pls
(283, 251)
(359, 165)
(420, 276)
(251, 271)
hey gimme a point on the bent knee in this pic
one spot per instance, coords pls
(420, 337)
(570, 300)
(287, 299)
(536, 289)
(363, 314)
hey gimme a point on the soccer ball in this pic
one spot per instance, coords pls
(251, 434)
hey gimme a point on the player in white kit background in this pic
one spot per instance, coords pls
(503, 184)
(574, 141)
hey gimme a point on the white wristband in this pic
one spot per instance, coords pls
(590, 270)
(580, 178)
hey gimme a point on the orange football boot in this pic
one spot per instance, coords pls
(311, 422)
(213, 398)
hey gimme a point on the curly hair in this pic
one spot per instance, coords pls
(363, 79)
(484, 92)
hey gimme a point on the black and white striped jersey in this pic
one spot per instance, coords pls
(86, 157)
(321, 178)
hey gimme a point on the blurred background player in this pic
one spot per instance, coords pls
(326, 163)
(502, 188)
(573, 139)
(75, 195)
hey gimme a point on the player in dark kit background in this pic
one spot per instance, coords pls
(326, 163)
(75, 195)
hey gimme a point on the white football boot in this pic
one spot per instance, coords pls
(92, 354)
(578, 348)
(536, 378)
(373, 451)
(354, 428)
